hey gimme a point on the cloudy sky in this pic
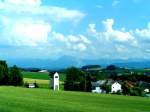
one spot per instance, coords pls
(114, 29)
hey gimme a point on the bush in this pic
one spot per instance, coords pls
(136, 91)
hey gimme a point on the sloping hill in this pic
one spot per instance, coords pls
(15, 99)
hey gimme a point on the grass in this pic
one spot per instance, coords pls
(36, 75)
(15, 99)
(42, 83)
(42, 76)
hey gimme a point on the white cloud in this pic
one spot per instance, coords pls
(116, 35)
(59, 36)
(112, 35)
(72, 42)
(34, 8)
(121, 48)
(26, 32)
(80, 47)
(113, 41)
(23, 2)
(121, 36)
(144, 33)
(73, 38)
(108, 24)
(28, 22)
(84, 39)
(91, 29)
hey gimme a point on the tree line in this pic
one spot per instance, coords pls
(10, 76)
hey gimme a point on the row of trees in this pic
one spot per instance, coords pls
(10, 76)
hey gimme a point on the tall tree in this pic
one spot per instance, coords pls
(75, 79)
(3, 73)
(16, 77)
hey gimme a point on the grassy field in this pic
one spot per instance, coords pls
(42, 76)
(42, 83)
(36, 75)
(42, 79)
(15, 99)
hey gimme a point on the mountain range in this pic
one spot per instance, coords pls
(67, 61)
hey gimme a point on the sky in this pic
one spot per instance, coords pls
(87, 29)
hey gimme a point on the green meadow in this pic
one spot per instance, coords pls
(42, 79)
(16, 99)
(42, 76)
(36, 75)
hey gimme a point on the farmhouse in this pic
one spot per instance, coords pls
(115, 87)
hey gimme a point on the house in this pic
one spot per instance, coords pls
(54, 82)
(115, 87)
(96, 86)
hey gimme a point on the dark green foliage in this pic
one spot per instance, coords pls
(75, 79)
(3, 73)
(136, 91)
(111, 67)
(91, 67)
(10, 77)
(125, 89)
(16, 77)
(107, 88)
(88, 83)
(133, 91)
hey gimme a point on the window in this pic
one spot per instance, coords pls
(56, 76)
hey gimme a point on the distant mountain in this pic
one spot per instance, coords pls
(67, 61)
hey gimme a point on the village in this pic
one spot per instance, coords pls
(109, 80)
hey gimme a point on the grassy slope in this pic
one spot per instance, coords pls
(42, 100)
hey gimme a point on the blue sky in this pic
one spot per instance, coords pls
(112, 29)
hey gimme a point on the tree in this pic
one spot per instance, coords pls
(111, 67)
(125, 89)
(75, 79)
(3, 73)
(16, 77)
(88, 85)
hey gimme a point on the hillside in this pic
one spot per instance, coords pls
(15, 99)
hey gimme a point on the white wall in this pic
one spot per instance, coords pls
(56, 81)
(115, 87)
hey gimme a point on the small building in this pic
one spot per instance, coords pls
(43, 71)
(96, 86)
(115, 87)
(97, 90)
(54, 82)
(146, 90)
(31, 85)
